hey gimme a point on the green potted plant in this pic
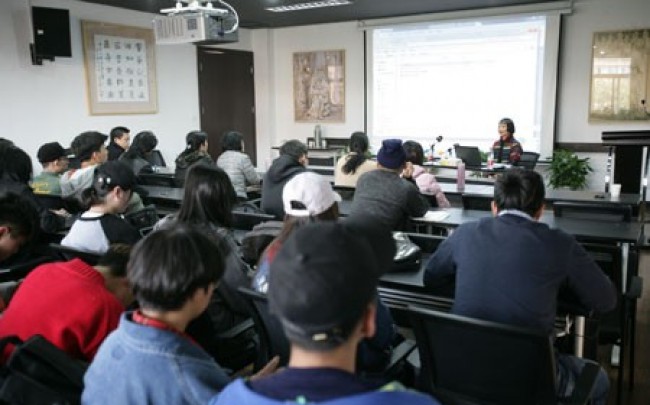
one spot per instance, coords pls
(568, 170)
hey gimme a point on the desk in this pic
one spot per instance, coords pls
(164, 195)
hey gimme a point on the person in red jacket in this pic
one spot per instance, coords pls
(71, 304)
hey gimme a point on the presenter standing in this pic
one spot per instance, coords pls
(507, 149)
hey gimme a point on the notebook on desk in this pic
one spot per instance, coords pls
(469, 154)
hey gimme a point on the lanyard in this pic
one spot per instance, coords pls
(142, 319)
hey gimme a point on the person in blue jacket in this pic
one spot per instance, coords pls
(323, 284)
(509, 269)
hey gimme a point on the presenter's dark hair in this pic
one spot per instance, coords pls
(510, 125)
(143, 143)
(414, 152)
(19, 215)
(118, 132)
(15, 164)
(231, 140)
(358, 145)
(293, 148)
(518, 189)
(169, 265)
(208, 197)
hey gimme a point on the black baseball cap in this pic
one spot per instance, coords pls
(322, 280)
(50, 152)
(114, 173)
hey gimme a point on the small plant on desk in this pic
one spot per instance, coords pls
(568, 170)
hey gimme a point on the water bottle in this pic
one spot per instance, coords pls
(460, 176)
(317, 136)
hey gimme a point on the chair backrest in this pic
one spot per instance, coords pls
(156, 158)
(273, 341)
(18, 271)
(477, 202)
(68, 253)
(593, 211)
(155, 179)
(346, 192)
(528, 160)
(143, 220)
(247, 220)
(483, 362)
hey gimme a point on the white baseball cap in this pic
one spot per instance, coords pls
(310, 189)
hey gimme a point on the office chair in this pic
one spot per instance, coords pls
(346, 192)
(471, 361)
(528, 160)
(156, 158)
(593, 211)
(67, 253)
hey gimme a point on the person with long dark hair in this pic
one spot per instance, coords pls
(141, 147)
(196, 151)
(351, 166)
(207, 203)
(237, 164)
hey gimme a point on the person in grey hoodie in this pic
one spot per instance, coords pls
(196, 151)
(292, 160)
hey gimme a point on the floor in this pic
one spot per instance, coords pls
(640, 395)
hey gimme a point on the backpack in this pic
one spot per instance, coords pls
(38, 372)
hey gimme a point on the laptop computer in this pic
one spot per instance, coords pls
(469, 154)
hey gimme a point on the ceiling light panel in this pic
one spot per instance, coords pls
(309, 5)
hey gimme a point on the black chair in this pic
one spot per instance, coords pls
(67, 253)
(346, 192)
(156, 158)
(273, 341)
(18, 271)
(247, 220)
(143, 220)
(593, 211)
(528, 160)
(477, 202)
(470, 361)
(156, 179)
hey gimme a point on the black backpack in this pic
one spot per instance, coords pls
(38, 372)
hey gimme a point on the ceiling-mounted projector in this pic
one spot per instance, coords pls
(199, 22)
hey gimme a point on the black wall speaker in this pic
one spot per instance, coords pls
(51, 33)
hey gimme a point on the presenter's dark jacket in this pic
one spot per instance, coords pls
(510, 268)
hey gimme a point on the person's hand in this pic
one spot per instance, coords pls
(267, 370)
(61, 212)
(407, 173)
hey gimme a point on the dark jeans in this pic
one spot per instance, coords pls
(568, 370)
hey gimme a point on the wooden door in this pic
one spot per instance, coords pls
(227, 96)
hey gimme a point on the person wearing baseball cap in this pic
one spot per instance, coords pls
(389, 194)
(99, 227)
(323, 289)
(54, 159)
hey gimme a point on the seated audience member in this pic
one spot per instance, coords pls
(425, 181)
(507, 141)
(120, 140)
(237, 164)
(89, 148)
(385, 195)
(55, 161)
(351, 166)
(196, 151)
(308, 197)
(99, 227)
(71, 304)
(207, 204)
(19, 224)
(292, 160)
(517, 281)
(15, 174)
(323, 289)
(149, 359)
(136, 157)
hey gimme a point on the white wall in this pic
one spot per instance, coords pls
(45, 103)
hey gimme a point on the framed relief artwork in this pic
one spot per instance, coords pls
(120, 69)
(319, 86)
(620, 75)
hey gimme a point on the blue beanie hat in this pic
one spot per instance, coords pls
(391, 154)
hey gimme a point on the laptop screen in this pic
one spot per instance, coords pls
(469, 154)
